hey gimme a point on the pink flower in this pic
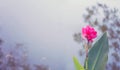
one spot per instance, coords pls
(89, 33)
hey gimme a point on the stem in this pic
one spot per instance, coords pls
(86, 61)
(86, 64)
(86, 51)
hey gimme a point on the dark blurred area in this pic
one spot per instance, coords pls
(105, 18)
(17, 59)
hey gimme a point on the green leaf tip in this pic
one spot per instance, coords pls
(78, 66)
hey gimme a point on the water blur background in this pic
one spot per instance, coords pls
(45, 30)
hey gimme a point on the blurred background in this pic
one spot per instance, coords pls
(45, 34)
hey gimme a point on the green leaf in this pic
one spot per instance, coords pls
(98, 54)
(78, 66)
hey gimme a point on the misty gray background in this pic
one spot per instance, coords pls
(46, 27)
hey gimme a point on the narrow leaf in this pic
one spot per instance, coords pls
(78, 66)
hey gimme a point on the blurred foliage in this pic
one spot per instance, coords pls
(17, 59)
(105, 18)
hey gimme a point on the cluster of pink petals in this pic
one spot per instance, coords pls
(89, 33)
